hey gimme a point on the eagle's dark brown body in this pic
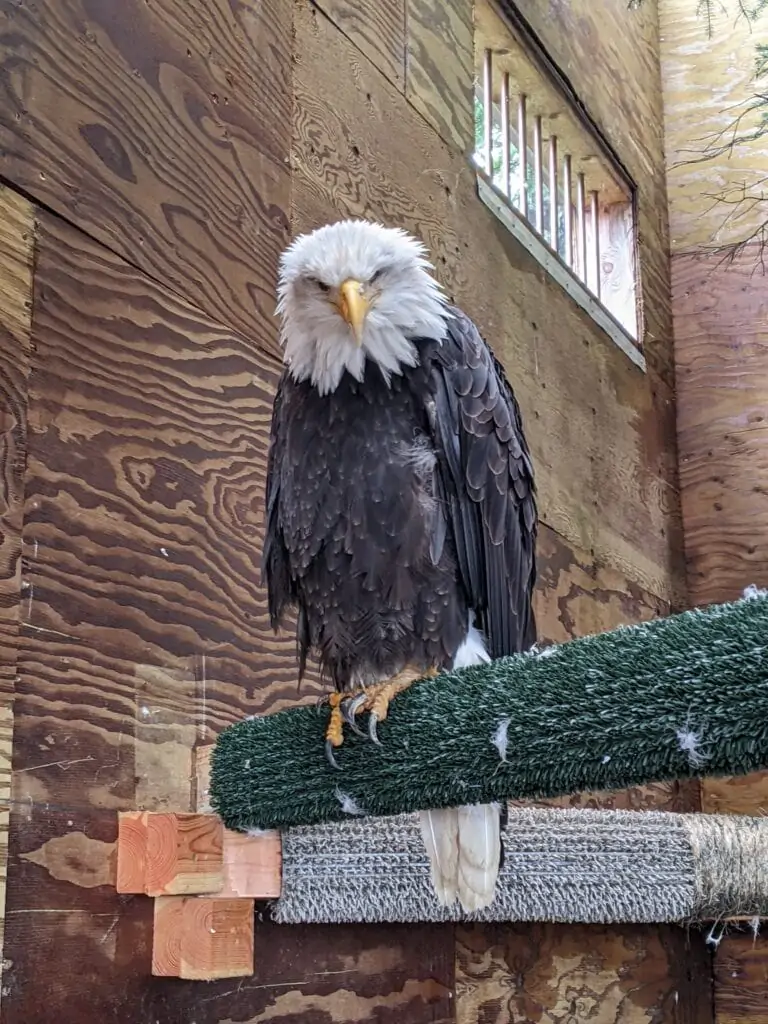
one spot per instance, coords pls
(397, 510)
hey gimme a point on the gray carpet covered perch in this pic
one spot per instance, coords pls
(595, 867)
(672, 698)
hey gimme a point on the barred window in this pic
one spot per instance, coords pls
(544, 169)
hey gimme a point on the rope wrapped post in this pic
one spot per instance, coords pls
(672, 698)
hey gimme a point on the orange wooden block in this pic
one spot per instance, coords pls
(167, 933)
(252, 865)
(131, 851)
(184, 854)
(202, 939)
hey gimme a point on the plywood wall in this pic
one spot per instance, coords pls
(166, 151)
(720, 304)
(720, 296)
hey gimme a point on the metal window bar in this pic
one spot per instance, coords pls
(506, 140)
(568, 208)
(522, 149)
(594, 212)
(553, 204)
(488, 112)
(538, 174)
(581, 225)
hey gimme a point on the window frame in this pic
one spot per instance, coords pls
(521, 223)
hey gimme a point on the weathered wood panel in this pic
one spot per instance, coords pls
(741, 973)
(716, 169)
(17, 229)
(377, 30)
(441, 68)
(546, 974)
(576, 388)
(721, 349)
(609, 51)
(721, 325)
(163, 131)
(17, 236)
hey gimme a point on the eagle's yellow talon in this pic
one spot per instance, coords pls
(334, 732)
(375, 699)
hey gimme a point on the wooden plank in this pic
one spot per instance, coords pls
(576, 388)
(747, 794)
(132, 835)
(741, 994)
(721, 328)
(202, 939)
(252, 865)
(163, 131)
(377, 30)
(184, 854)
(440, 68)
(353, 158)
(17, 233)
(17, 236)
(552, 974)
(609, 52)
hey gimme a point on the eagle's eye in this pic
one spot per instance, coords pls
(319, 284)
(379, 273)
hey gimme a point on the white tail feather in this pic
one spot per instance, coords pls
(440, 831)
(479, 854)
(464, 843)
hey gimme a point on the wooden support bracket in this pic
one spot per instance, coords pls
(202, 938)
(204, 878)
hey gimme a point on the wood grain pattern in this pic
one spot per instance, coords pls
(132, 835)
(746, 794)
(440, 68)
(202, 939)
(709, 81)
(609, 52)
(252, 865)
(575, 387)
(184, 854)
(546, 974)
(17, 233)
(721, 327)
(163, 131)
(377, 30)
(17, 238)
(740, 975)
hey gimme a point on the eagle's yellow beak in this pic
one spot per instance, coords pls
(353, 306)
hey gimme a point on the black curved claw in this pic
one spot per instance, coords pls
(372, 723)
(349, 709)
(329, 756)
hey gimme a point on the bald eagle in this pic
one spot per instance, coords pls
(401, 517)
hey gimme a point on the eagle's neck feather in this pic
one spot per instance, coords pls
(323, 352)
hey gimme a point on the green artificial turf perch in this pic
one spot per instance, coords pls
(676, 697)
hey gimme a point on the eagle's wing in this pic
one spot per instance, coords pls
(276, 572)
(486, 477)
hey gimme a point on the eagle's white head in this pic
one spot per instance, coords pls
(355, 291)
